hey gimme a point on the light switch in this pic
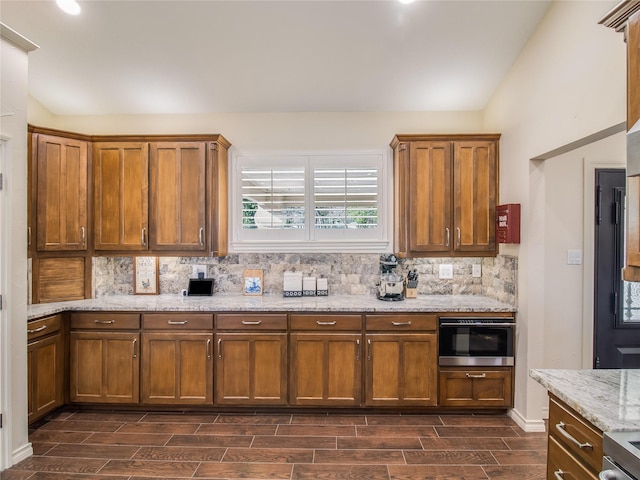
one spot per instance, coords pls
(199, 271)
(446, 271)
(574, 257)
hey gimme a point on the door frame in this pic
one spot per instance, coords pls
(5, 332)
(588, 276)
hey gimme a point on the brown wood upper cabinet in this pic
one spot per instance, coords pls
(625, 17)
(177, 196)
(61, 200)
(446, 192)
(121, 184)
(162, 194)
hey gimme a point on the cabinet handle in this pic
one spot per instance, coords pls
(144, 236)
(36, 330)
(358, 349)
(177, 322)
(201, 236)
(219, 348)
(458, 240)
(208, 348)
(104, 322)
(134, 351)
(28, 235)
(561, 427)
(82, 236)
(448, 236)
(481, 375)
(369, 350)
(326, 323)
(401, 324)
(559, 474)
(250, 322)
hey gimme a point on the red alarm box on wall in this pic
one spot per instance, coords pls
(508, 223)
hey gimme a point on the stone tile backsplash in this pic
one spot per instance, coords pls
(351, 274)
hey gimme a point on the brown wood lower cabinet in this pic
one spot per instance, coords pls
(45, 365)
(104, 366)
(476, 387)
(104, 357)
(251, 359)
(326, 369)
(177, 358)
(575, 445)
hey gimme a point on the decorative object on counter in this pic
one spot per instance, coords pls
(411, 287)
(200, 287)
(322, 287)
(253, 282)
(309, 286)
(390, 285)
(145, 276)
(292, 286)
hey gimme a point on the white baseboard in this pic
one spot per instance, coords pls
(22, 453)
(527, 425)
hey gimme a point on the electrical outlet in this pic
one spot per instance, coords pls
(199, 269)
(476, 270)
(446, 271)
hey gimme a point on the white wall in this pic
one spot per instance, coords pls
(568, 83)
(14, 442)
(275, 131)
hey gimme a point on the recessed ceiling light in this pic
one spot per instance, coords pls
(405, 2)
(69, 6)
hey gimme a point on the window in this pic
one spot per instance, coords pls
(319, 202)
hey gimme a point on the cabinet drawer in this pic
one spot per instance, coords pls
(326, 322)
(560, 461)
(105, 321)
(573, 433)
(43, 326)
(233, 321)
(177, 321)
(476, 387)
(401, 322)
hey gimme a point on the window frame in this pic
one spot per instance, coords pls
(310, 239)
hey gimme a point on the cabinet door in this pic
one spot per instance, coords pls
(61, 205)
(430, 197)
(177, 196)
(45, 364)
(326, 369)
(401, 369)
(475, 196)
(251, 369)
(121, 183)
(104, 367)
(177, 368)
(475, 387)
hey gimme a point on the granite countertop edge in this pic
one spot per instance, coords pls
(608, 398)
(274, 303)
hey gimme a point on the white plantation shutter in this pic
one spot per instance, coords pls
(273, 198)
(345, 197)
(333, 202)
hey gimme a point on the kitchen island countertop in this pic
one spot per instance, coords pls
(609, 399)
(274, 303)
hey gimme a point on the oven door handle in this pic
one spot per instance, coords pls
(477, 324)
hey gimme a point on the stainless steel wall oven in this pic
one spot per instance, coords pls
(481, 341)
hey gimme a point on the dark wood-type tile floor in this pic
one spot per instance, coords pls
(83, 445)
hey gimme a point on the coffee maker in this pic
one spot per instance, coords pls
(391, 285)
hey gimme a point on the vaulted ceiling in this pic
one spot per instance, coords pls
(193, 57)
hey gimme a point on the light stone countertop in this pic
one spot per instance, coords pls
(269, 303)
(609, 399)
